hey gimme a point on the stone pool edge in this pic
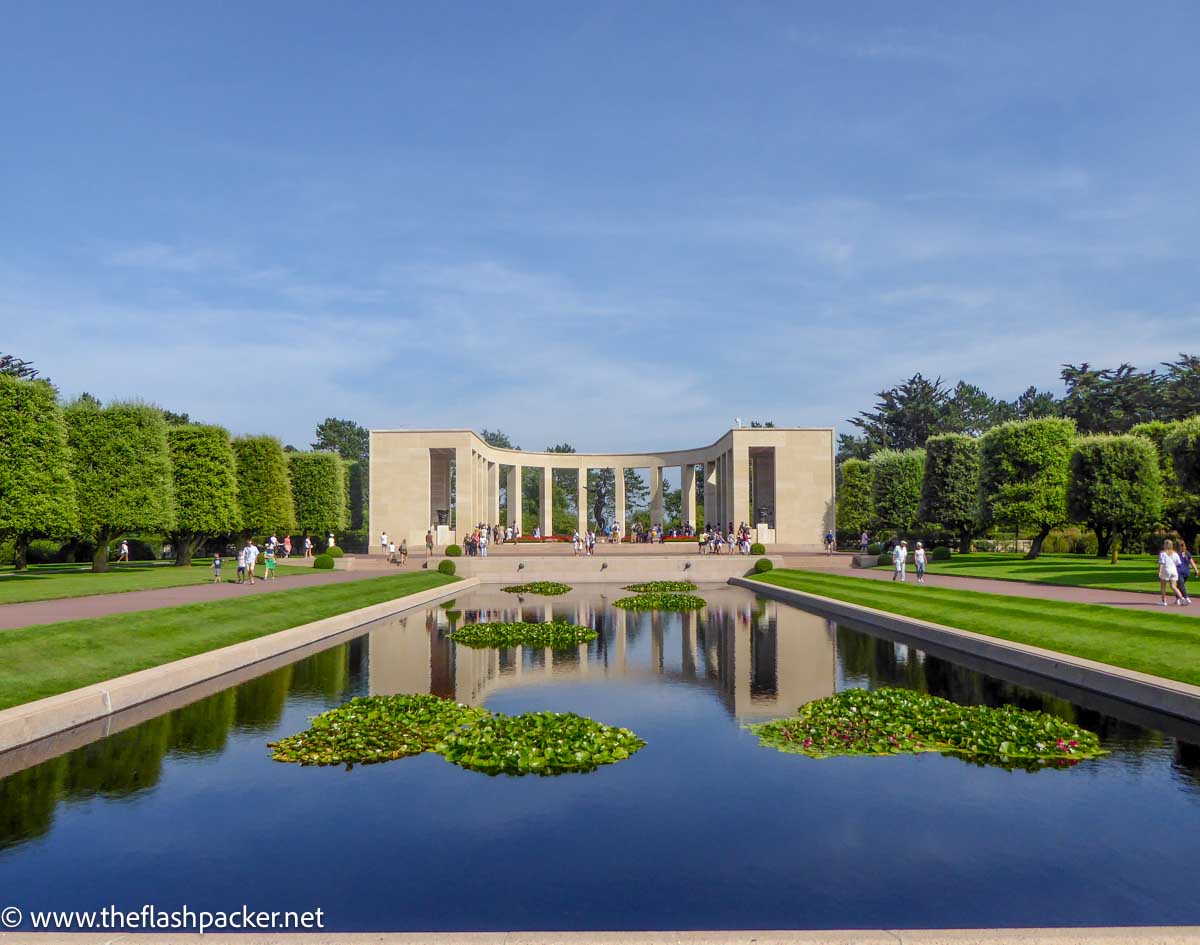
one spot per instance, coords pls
(1141, 935)
(1179, 699)
(43, 718)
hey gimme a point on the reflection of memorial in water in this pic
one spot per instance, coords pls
(764, 659)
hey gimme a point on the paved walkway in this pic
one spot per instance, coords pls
(30, 613)
(1128, 600)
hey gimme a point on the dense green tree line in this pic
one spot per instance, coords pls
(96, 472)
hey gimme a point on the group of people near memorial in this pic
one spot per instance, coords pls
(714, 541)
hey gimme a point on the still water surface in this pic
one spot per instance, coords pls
(701, 829)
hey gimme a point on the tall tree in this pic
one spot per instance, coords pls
(1181, 387)
(19, 368)
(344, 437)
(1181, 506)
(121, 465)
(1111, 400)
(1023, 475)
(318, 491)
(204, 473)
(896, 487)
(855, 506)
(1034, 403)
(264, 487)
(1115, 488)
(37, 495)
(949, 491)
(907, 414)
(972, 410)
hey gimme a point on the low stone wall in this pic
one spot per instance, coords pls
(1140, 689)
(702, 569)
(45, 717)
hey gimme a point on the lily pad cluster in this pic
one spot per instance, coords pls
(660, 601)
(544, 588)
(374, 729)
(901, 721)
(558, 635)
(538, 743)
(371, 729)
(661, 587)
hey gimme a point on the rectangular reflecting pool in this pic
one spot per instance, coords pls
(703, 828)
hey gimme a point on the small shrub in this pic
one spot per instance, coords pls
(323, 562)
(874, 548)
(446, 567)
(763, 565)
(758, 548)
(335, 552)
(884, 560)
(454, 551)
(941, 553)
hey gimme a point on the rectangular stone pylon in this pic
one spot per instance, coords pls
(687, 486)
(494, 493)
(711, 512)
(619, 485)
(514, 496)
(546, 506)
(656, 495)
(583, 501)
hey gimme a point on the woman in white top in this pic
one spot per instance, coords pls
(919, 561)
(1168, 573)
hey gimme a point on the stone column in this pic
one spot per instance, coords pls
(464, 491)
(619, 487)
(545, 510)
(710, 491)
(656, 495)
(583, 500)
(515, 486)
(687, 495)
(741, 484)
(494, 493)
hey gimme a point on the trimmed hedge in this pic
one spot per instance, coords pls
(453, 551)
(447, 567)
(875, 548)
(323, 562)
(763, 565)
(758, 548)
(335, 552)
(941, 553)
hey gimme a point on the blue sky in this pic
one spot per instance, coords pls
(616, 224)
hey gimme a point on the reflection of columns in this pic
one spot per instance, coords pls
(581, 620)
(619, 631)
(518, 659)
(494, 493)
(619, 485)
(549, 658)
(656, 642)
(687, 486)
(687, 640)
(514, 496)
(656, 495)
(583, 500)
(710, 491)
(544, 498)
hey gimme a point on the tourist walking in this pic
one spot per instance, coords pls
(216, 568)
(829, 543)
(1185, 569)
(899, 559)
(863, 540)
(919, 561)
(1168, 573)
(287, 546)
(269, 563)
(123, 551)
(391, 553)
(429, 543)
(308, 547)
(383, 541)
(251, 559)
(404, 551)
(241, 567)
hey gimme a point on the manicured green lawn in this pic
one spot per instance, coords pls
(1131, 573)
(56, 581)
(1164, 644)
(51, 658)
